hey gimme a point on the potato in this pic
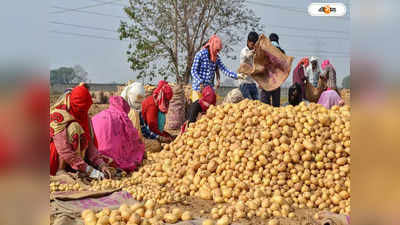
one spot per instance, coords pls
(150, 204)
(273, 222)
(208, 222)
(136, 206)
(104, 220)
(86, 213)
(186, 216)
(135, 219)
(223, 221)
(170, 218)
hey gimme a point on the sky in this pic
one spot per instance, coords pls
(90, 39)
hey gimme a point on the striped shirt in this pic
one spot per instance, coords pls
(203, 70)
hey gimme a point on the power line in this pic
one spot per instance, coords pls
(90, 12)
(83, 35)
(84, 7)
(318, 37)
(82, 26)
(309, 29)
(322, 51)
(114, 3)
(278, 6)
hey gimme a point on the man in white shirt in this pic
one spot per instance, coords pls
(248, 86)
(313, 71)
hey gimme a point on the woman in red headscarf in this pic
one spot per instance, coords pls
(200, 106)
(155, 108)
(72, 140)
(298, 74)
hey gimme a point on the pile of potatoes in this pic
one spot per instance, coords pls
(57, 186)
(137, 214)
(258, 160)
(253, 160)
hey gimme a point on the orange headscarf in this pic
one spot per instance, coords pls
(162, 95)
(214, 45)
(304, 60)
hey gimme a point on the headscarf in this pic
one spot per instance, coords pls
(134, 94)
(162, 95)
(77, 103)
(305, 61)
(325, 63)
(117, 103)
(116, 135)
(314, 58)
(209, 97)
(80, 102)
(214, 45)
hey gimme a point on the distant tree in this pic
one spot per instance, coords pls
(346, 82)
(68, 75)
(80, 74)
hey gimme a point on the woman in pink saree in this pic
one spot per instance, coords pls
(117, 137)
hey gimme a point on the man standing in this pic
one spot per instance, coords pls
(248, 86)
(265, 96)
(313, 72)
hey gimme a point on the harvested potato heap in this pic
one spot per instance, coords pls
(137, 214)
(252, 159)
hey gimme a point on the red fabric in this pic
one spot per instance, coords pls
(214, 45)
(54, 161)
(305, 61)
(299, 77)
(80, 102)
(163, 94)
(150, 116)
(208, 98)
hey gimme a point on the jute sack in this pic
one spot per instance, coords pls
(176, 111)
(270, 68)
(234, 96)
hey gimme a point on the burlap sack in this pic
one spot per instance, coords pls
(234, 96)
(270, 68)
(328, 218)
(97, 97)
(176, 110)
(106, 97)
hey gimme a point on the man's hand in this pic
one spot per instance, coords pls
(218, 84)
(241, 76)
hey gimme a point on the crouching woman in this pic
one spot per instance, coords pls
(72, 140)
